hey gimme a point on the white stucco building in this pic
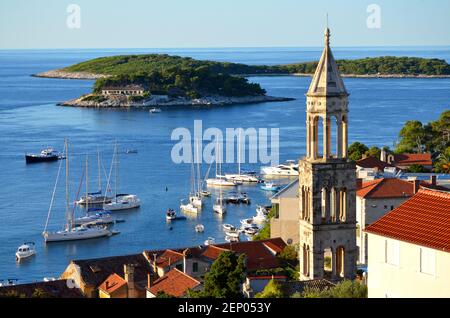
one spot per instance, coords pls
(409, 249)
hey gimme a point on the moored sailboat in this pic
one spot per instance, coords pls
(71, 232)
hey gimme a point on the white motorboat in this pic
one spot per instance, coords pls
(228, 227)
(246, 222)
(290, 168)
(233, 233)
(251, 231)
(200, 228)
(205, 193)
(210, 241)
(231, 239)
(155, 110)
(270, 186)
(123, 202)
(71, 232)
(262, 210)
(25, 250)
(242, 178)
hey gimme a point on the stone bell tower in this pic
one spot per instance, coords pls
(327, 181)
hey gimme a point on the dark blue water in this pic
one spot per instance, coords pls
(29, 121)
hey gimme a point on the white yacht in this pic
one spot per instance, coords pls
(220, 208)
(120, 201)
(188, 208)
(71, 232)
(290, 168)
(155, 110)
(25, 250)
(123, 202)
(220, 182)
(260, 217)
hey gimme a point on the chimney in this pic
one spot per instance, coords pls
(416, 184)
(359, 183)
(433, 180)
(149, 280)
(383, 155)
(128, 271)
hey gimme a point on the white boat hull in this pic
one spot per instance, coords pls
(23, 255)
(124, 203)
(220, 183)
(76, 234)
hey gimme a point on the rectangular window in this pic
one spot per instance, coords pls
(427, 261)
(195, 267)
(392, 252)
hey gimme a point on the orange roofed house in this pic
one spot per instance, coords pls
(175, 283)
(409, 249)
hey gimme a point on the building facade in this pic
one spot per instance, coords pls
(409, 254)
(327, 181)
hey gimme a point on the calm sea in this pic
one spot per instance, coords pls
(30, 121)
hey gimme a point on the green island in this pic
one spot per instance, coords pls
(185, 79)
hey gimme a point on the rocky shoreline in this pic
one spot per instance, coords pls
(62, 74)
(165, 101)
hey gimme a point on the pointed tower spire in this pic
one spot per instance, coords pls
(327, 80)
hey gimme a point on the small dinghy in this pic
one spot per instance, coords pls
(210, 241)
(270, 186)
(25, 250)
(228, 227)
(231, 239)
(200, 228)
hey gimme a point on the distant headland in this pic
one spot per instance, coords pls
(164, 80)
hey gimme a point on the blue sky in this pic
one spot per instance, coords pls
(221, 23)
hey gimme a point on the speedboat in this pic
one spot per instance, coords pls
(270, 186)
(123, 202)
(200, 228)
(155, 110)
(210, 241)
(77, 233)
(237, 198)
(290, 168)
(246, 222)
(233, 233)
(261, 210)
(48, 154)
(97, 217)
(25, 250)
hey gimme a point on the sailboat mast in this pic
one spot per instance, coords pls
(99, 172)
(68, 212)
(198, 170)
(239, 153)
(116, 177)
(87, 184)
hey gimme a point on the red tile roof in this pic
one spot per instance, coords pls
(409, 159)
(213, 252)
(423, 220)
(174, 283)
(386, 188)
(167, 258)
(259, 256)
(372, 162)
(112, 283)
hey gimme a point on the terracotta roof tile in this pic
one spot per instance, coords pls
(112, 283)
(423, 220)
(174, 283)
(386, 188)
(409, 159)
(168, 257)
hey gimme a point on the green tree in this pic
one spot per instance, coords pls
(225, 278)
(417, 169)
(357, 150)
(373, 152)
(272, 290)
(413, 137)
(289, 255)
